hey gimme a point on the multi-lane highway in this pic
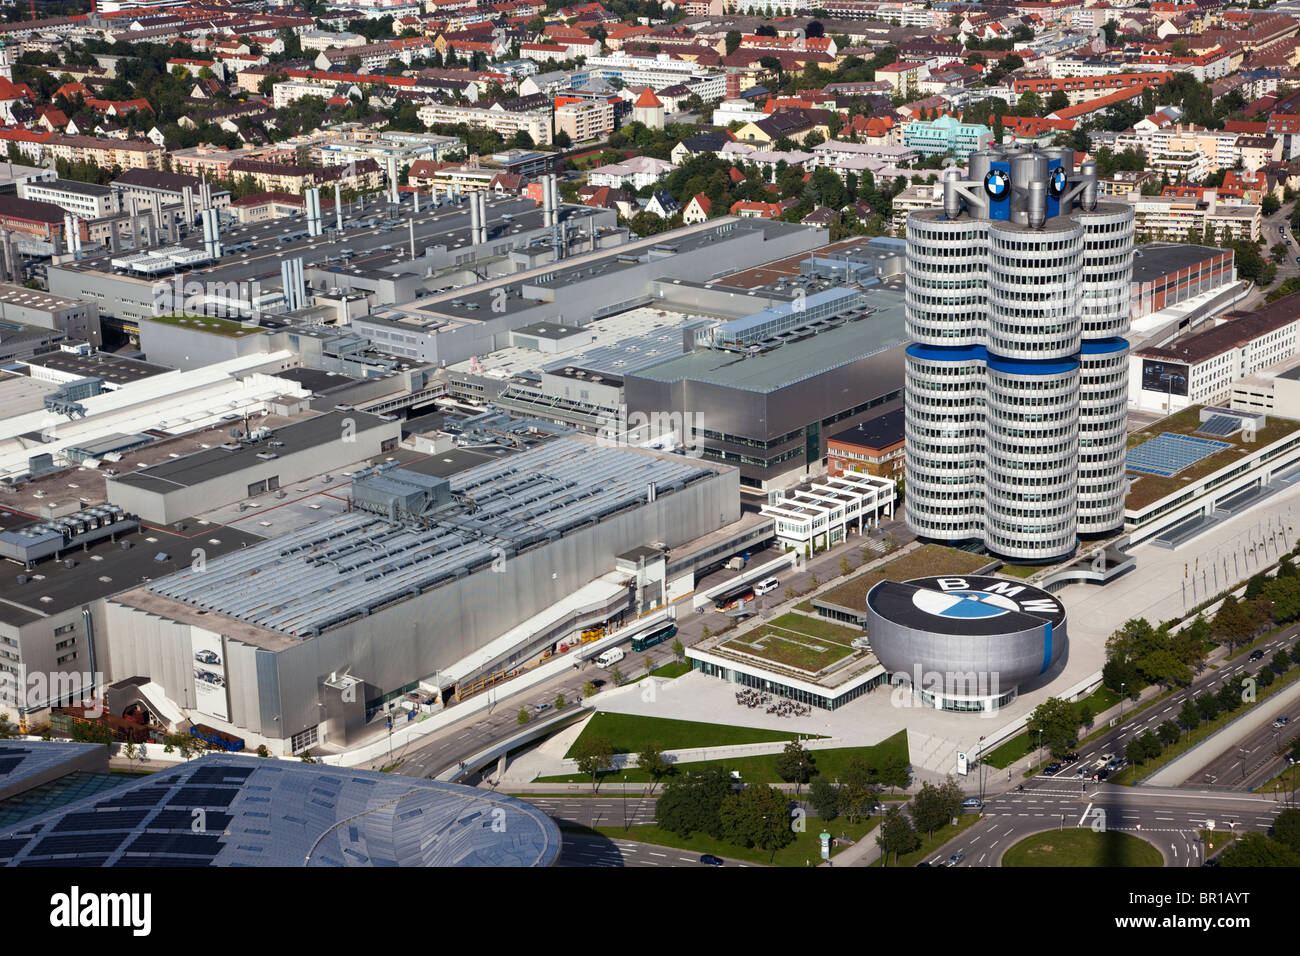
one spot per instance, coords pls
(1257, 758)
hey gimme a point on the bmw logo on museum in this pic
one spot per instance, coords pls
(963, 642)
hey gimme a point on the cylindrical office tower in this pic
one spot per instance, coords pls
(1017, 300)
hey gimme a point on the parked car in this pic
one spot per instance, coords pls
(1052, 768)
(972, 803)
(1070, 758)
(709, 859)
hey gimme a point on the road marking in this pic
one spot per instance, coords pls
(1084, 815)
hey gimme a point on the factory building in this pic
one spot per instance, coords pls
(405, 588)
(250, 464)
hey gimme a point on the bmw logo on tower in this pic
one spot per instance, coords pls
(965, 643)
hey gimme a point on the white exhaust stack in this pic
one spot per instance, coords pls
(415, 197)
(392, 178)
(312, 210)
(338, 207)
(473, 219)
(211, 234)
(187, 195)
(295, 287)
(411, 223)
(482, 218)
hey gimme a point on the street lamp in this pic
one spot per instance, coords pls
(625, 826)
(981, 760)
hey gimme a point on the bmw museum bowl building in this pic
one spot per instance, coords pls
(964, 643)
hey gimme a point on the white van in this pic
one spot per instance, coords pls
(611, 656)
(763, 587)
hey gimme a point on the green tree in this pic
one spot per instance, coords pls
(733, 40)
(1189, 716)
(616, 676)
(679, 650)
(589, 689)
(897, 835)
(930, 809)
(1255, 849)
(560, 702)
(895, 772)
(653, 762)
(592, 755)
(858, 789)
(691, 803)
(824, 797)
(845, 566)
(521, 718)
(1207, 705)
(1056, 721)
(1286, 828)
(758, 816)
(1168, 732)
(795, 765)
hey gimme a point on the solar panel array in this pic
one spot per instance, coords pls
(244, 811)
(334, 570)
(1169, 453)
(1220, 425)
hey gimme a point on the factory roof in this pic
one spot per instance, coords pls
(328, 573)
(114, 369)
(880, 329)
(476, 302)
(1156, 259)
(211, 463)
(254, 251)
(279, 813)
(108, 566)
(1240, 329)
(879, 432)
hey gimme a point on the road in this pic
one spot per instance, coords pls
(477, 732)
(1167, 709)
(1256, 759)
(1170, 819)
(580, 849)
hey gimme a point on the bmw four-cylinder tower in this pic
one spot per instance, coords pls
(1016, 383)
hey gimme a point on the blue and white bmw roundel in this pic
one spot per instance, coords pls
(997, 184)
(1058, 182)
(963, 605)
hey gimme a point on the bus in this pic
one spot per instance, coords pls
(733, 597)
(656, 636)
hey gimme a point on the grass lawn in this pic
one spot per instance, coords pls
(667, 671)
(1151, 488)
(1285, 782)
(1216, 841)
(930, 844)
(762, 768)
(1078, 847)
(630, 733)
(799, 641)
(1021, 570)
(926, 560)
(805, 849)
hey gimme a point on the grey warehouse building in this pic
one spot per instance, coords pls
(393, 601)
(765, 396)
(252, 465)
